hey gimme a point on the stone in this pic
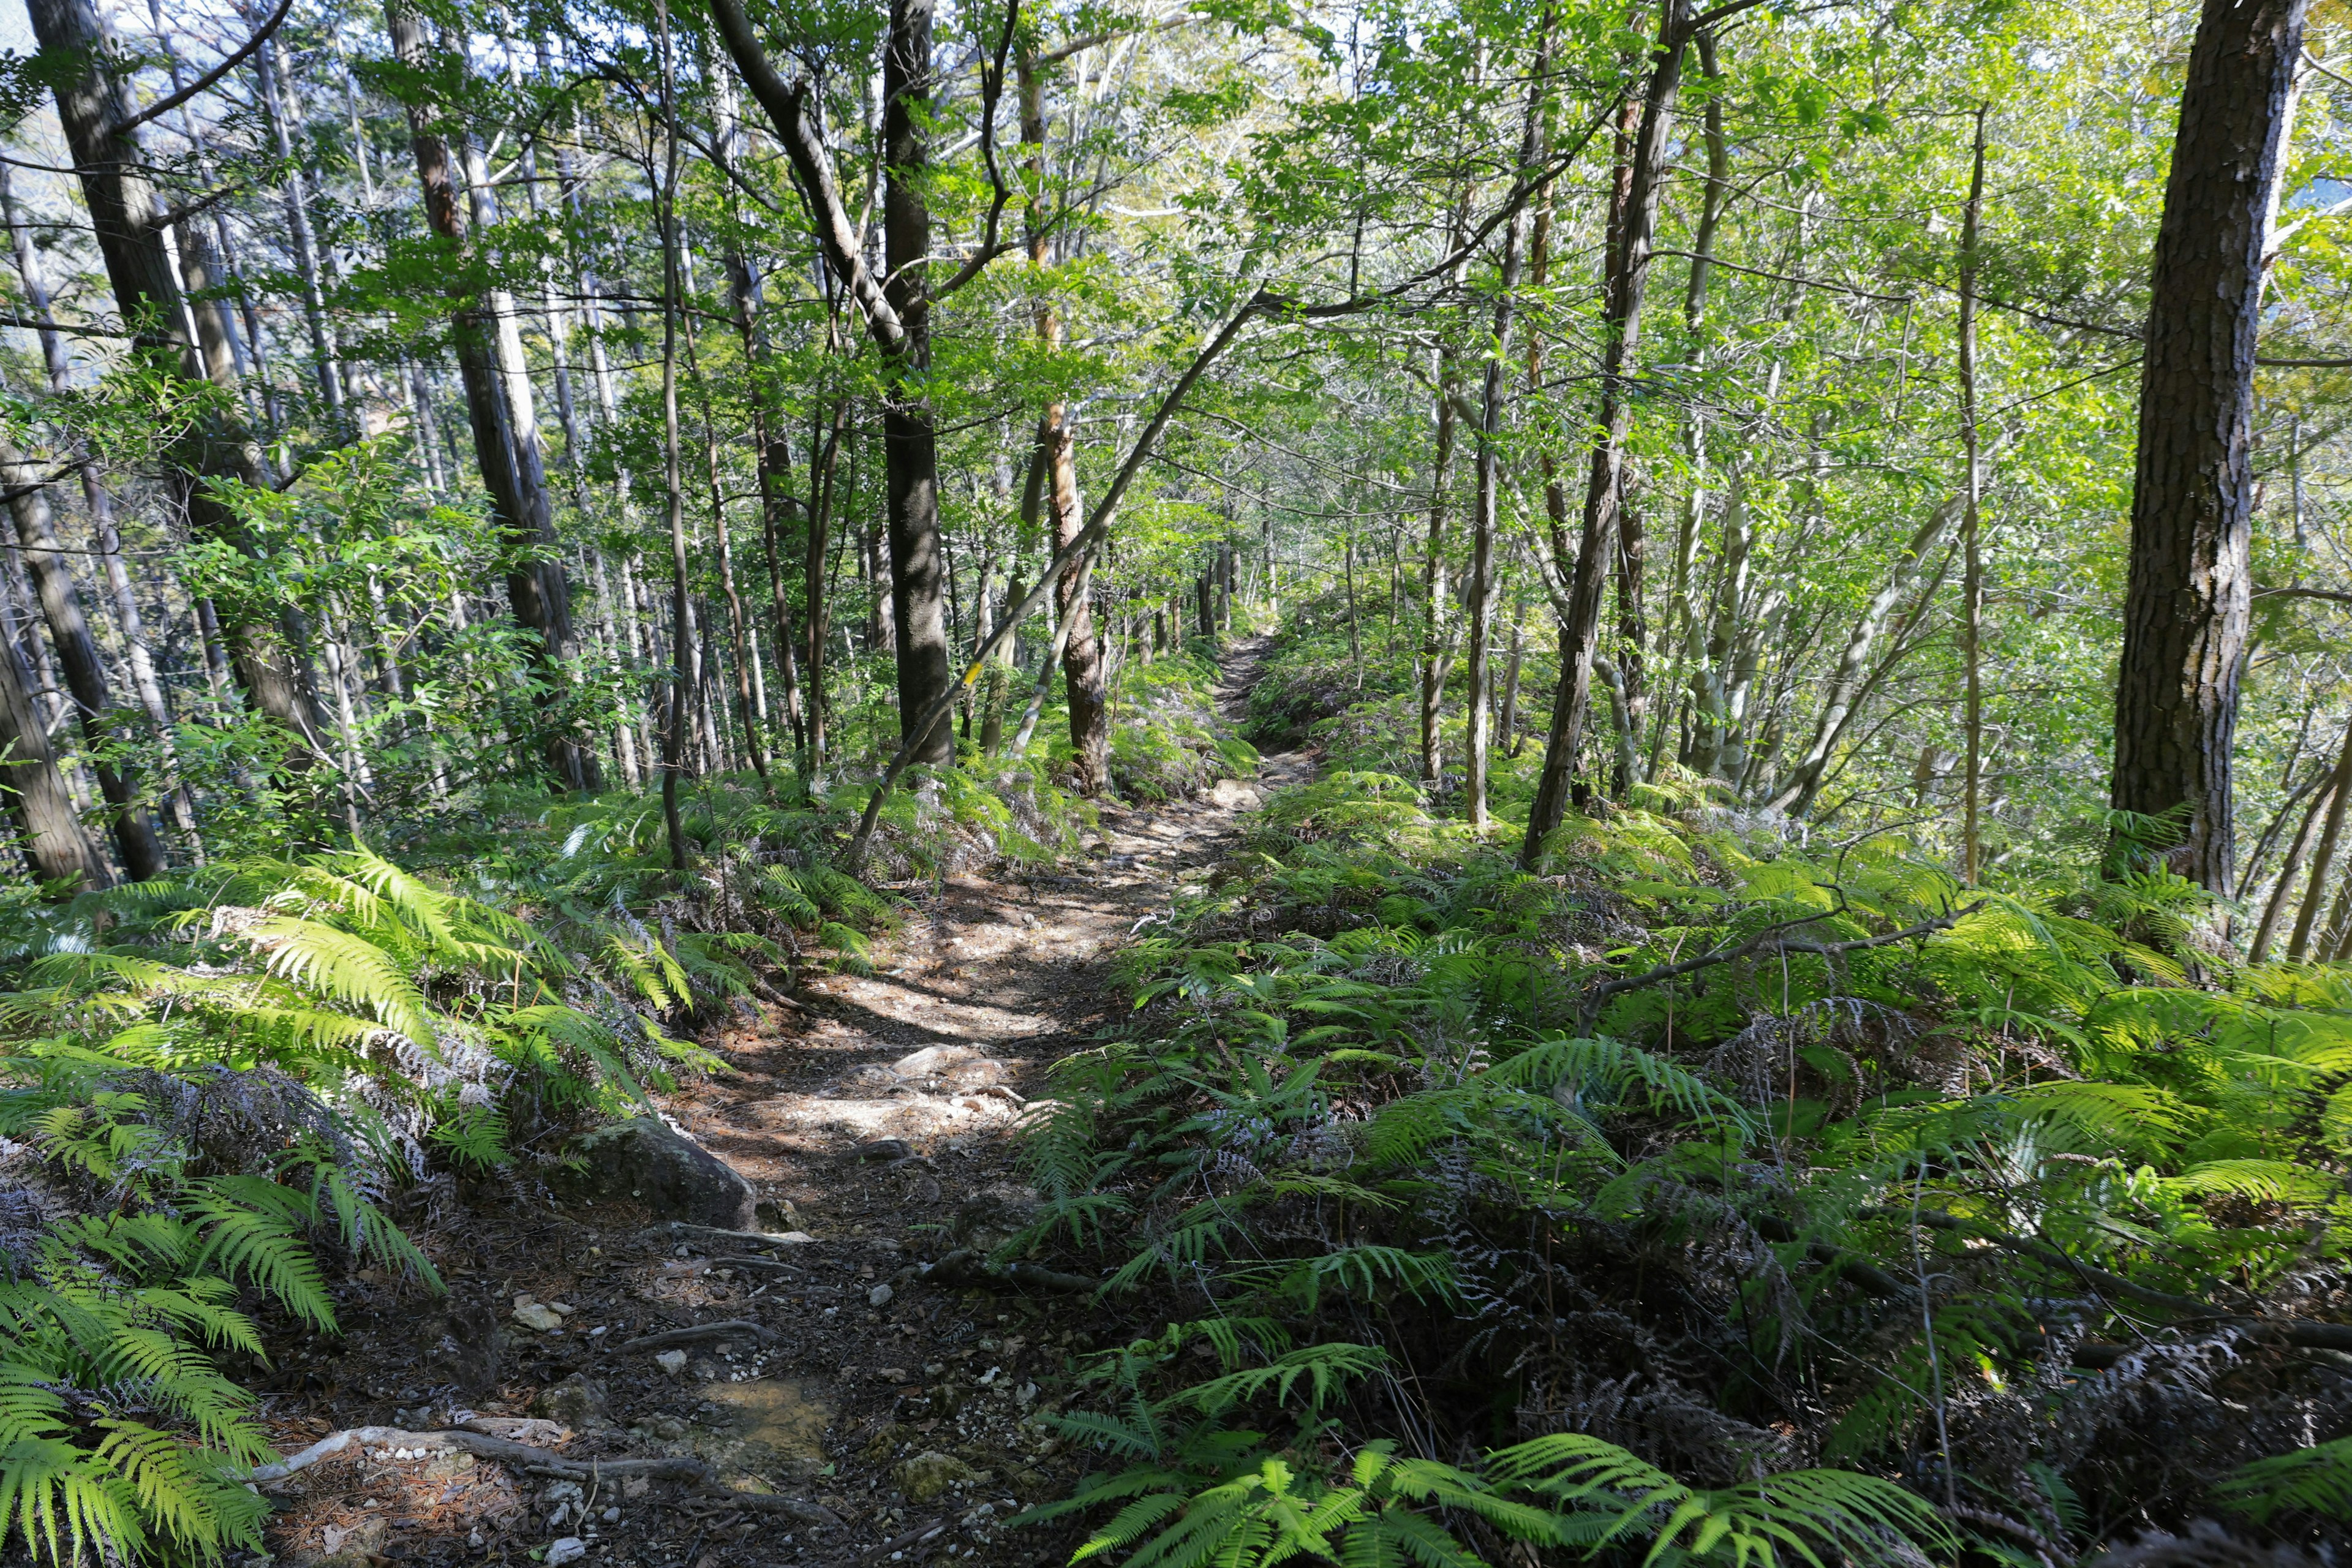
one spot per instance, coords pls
(675, 1177)
(565, 1549)
(671, 1362)
(893, 1149)
(537, 1315)
(878, 1297)
(926, 1476)
(577, 1402)
(1235, 795)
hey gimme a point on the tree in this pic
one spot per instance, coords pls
(506, 444)
(2185, 605)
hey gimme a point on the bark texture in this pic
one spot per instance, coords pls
(2192, 495)
(513, 471)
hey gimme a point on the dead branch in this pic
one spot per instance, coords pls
(695, 1334)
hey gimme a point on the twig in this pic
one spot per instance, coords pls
(733, 1329)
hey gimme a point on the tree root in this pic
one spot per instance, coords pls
(966, 1267)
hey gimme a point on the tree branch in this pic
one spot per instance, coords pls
(205, 82)
(1590, 1012)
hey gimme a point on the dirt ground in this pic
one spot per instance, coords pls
(908, 1411)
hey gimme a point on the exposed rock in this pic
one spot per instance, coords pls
(537, 1315)
(927, 1476)
(576, 1402)
(670, 1173)
(1236, 795)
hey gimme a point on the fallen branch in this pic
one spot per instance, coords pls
(769, 1264)
(2304, 1333)
(743, 1238)
(1590, 1012)
(540, 1462)
(964, 1268)
(732, 1328)
(914, 1537)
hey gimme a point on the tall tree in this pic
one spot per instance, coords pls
(2192, 488)
(507, 452)
(1055, 472)
(130, 223)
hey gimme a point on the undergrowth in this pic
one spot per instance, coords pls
(1907, 1222)
(219, 1089)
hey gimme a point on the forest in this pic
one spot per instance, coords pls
(1179, 781)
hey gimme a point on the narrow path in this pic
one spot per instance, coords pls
(905, 1411)
(918, 1400)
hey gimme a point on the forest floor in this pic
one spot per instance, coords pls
(906, 1410)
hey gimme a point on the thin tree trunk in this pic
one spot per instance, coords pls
(2339, 796)
(1479, 597)
(2185, 607)
(77, 652)
(35, 789)
(507, 455)
(1971, 525)
(1621, 323)
(2274, 908)
(672, 485)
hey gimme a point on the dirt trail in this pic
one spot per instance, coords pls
(904, 1409)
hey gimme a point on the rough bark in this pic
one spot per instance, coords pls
(269, 653)
(2185, 607)
(85, 674)
(35, 789)
(513, 472)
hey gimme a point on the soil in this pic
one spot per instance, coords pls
(879, 1120)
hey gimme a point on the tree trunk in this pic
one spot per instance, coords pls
(911, 457)
(1436, 592)
(682, 660)
(1628, 278)
(125, 216)
(1479, 597)
(106, 542)
(2192, 495)
(34, 788)
(85, 674)
(509, 458)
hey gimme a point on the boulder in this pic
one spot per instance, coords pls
(1236, 795)
(671, 1173)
